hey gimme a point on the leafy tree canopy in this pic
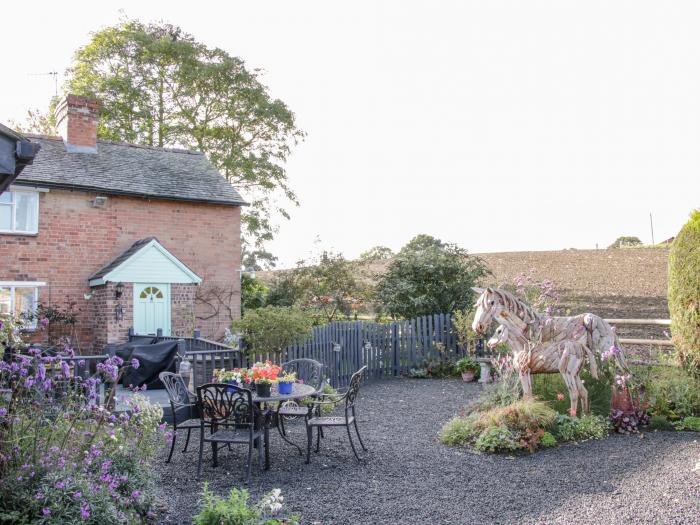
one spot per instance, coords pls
(160, 87)
(253, 293)
(625, 240)
(376, 253)
(429, 276)
(325, 286)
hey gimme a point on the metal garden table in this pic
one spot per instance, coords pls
(299, 391)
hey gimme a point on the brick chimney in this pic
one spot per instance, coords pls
(76, 120)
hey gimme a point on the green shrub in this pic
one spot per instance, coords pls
(467, 364)
(273, 328)
(497, 439)
(689, 423)
(235, 510)
(571, 428)
(548, 440)
(525, 421)
(660, 423)
(460, 431)
(671, 392)
(683, 292)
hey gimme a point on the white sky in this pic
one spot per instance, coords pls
(496, 125)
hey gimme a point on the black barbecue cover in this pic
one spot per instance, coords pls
(153, 359)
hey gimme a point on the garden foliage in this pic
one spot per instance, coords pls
(684, 293)
(254, 293)
(273, 328)
(63, 458)
(236, 509)
(429, 276)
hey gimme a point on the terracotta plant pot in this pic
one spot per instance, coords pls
(468, 376)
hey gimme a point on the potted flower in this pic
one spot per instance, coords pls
(468, 367)
(285, 382)
(235, 377)
(264, 374)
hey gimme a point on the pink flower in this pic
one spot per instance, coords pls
(560, 396)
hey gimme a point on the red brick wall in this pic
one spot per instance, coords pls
(76, 239)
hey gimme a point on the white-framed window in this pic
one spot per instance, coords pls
(18, 297)
(19, 211)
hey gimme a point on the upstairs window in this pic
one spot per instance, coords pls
(19, 212)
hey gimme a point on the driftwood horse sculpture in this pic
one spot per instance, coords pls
(529, 329)
(566, 357)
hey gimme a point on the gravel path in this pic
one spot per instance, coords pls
(409, 477)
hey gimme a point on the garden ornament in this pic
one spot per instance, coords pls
(566, 357)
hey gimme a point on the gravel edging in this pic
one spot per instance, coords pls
(408, 476)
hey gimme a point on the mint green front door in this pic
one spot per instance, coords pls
(151, 308)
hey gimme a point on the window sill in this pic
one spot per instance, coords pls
(19, 234)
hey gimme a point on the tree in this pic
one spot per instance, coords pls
(37, 121)
(624, 241)
(253, 293)
(158, 86)
(325, 286)
(329, 287)
(376, 253)
(684, 292)
(428, 277)
(273, 328)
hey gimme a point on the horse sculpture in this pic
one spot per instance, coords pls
(566, 357)
(528, 329)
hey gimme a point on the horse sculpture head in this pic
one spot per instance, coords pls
(487, 308)
(499, 336)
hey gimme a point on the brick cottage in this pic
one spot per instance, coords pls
(119, 236)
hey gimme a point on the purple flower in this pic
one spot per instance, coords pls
(135, 363)
(135, 494)
(46, 511)
(3, 412)
(44, 322)
(85, 511)
(77, 495)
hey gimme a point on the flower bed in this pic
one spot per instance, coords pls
(64, 458)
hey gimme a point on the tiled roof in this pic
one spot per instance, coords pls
(125, 169)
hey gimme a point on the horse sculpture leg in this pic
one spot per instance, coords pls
(569, 379)
(583, 393)
(526, 382)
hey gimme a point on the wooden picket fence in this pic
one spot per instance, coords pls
(387, 349)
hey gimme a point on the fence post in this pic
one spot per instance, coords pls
(131, 332)
(197, 333)
(395, 347)
(159, 333)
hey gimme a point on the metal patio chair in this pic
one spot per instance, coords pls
(347, 420)
(232, 418)
(183, 404)
(310, 372)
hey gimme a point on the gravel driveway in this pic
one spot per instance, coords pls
(409, 477)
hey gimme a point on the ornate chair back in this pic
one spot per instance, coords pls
(181, 401)
(227, 405)
(354, 388)
(308, 370)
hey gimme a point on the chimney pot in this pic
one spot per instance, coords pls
(76, 120)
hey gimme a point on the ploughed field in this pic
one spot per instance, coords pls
(409, 477)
